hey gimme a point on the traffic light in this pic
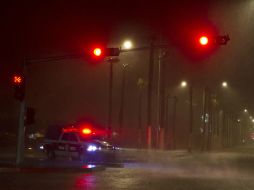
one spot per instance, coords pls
(222, 40)
(203, 40)
(214, 40)
(19, 86)
(112, 51)
(99, 53)
(30, 115)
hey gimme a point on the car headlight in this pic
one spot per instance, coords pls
(91, 148)
(42, 147)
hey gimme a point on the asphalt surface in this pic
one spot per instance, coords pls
(233, 169)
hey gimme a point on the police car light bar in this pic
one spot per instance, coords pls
(70, 129)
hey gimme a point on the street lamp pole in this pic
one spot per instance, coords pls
(171, 133)
(174, 124)
(121, 111)
(191, 118)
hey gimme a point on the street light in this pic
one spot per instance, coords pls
(224, 84)
(183, 84)
(127, 44)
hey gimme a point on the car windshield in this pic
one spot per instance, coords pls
(151, 94)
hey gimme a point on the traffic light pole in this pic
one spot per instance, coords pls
(21, 129)
(21, 134)
(110, 97)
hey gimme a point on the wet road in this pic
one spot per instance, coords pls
(230, 170)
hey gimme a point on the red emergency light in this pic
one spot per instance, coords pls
(70, 129)
(86, 131)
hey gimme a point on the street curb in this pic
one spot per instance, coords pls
(49, 170)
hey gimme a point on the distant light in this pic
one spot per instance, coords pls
(29, 148)
(127, 44)
(183, 84)
(89, 166)
(252, 120)
(245, 110)
(203, 40)
(238, 120)
(41, 147)
(224, 84)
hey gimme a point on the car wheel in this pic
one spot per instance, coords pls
(51, 154)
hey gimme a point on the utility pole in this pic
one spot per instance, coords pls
(161, 100)
(159, 84)
(140, 85)
(203, 146)
(209, 126)
(174, 124)
(149, 96)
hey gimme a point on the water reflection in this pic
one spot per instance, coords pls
(85, 182)
(89, 166)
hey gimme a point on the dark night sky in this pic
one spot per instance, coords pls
(41, 28)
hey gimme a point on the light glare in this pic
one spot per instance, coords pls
(224, 84)
(127, 44)
(203, 40)
(183, 84)
(97, 52)
(86, 131)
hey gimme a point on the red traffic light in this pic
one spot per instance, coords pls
(203, 40)
(97, 52)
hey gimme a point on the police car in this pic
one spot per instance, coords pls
(78, 143)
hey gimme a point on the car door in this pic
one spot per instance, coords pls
(74, 145)
(62, 147)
